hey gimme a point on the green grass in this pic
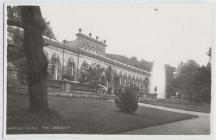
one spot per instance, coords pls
(190, 106)
(81, 116)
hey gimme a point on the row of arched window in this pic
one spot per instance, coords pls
(126, 80)
(56, 71)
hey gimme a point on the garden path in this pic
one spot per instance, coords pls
(196, 126)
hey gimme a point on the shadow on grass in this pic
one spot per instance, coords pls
(28, 121)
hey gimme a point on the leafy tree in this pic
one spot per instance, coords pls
(202, 82)
(14, 16)
(189, 66)
(193, 81)
(14, 19)
(48, 31)
(134, 59)
(15, 55)
(184, 79)
(170, 89)
(94, 74)
(84, 72)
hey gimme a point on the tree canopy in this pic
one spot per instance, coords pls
(14, 19)
(193, 81)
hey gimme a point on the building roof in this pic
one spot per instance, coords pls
(91, 39)
(72, 45)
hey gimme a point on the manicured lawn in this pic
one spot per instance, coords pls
(81, 115)
(191, 106)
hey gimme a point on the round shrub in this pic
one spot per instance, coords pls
(127, 99)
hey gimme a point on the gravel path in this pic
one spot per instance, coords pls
(196, 126)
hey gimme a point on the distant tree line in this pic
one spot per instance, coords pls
(191, 81)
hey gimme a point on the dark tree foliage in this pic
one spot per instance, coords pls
(193, 82)
(184, 79)
(170, 89)
(15, 54)
(48, 31)
(36, 60)
(93, 74)
(14, 16)
(127, 99)
(202, 82)
(14, 19)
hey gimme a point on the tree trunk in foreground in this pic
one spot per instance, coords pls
(36, 60)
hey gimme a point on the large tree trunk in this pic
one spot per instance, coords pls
(36, 60)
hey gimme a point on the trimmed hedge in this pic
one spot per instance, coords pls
(127, 99)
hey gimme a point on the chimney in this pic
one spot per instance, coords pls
(90, 34)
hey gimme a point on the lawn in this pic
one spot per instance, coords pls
(190, 106)
(81, 116)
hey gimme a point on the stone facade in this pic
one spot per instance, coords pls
(67, 57)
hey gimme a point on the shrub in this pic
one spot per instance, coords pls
(127, 99)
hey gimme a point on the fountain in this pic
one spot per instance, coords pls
(158, 80)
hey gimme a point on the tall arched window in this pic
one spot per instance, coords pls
(120, 80)
(71, 69)
(125, 80)
(54, 67)
(129, 80)
(69, 73)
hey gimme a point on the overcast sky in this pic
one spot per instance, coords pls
(164, 33)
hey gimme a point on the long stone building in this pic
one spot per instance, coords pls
(70, 57)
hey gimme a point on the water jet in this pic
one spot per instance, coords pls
(158, 79)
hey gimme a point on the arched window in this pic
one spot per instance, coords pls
(129, 80)
(71, 69)
(53, 67)
(69, 72)
(56, 65)
(125, 80)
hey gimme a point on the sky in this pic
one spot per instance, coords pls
(163, 33)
